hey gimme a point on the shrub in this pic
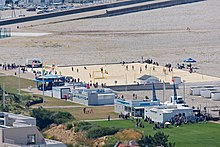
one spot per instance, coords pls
(110, 141)
(69, 126)
(82, 126)
(96, 132)
(44, 117)
(61, 117)
(129, 134)
(159, 139)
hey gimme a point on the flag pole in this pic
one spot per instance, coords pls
(43, 79)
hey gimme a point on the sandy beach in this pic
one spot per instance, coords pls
(159, 34)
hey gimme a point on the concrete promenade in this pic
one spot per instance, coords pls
(101, 10)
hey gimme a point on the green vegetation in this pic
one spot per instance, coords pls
(49, 101)
(11, 83)
(190, 135)
(17, 103)
(159, 139)
(82, 126)
(95, 131)
(110, 141)
(69, 126)
(45, 118)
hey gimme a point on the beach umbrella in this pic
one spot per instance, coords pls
(189, 60)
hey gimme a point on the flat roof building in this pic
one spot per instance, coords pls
(133, 107)
(165, 113)
(93, 97)
(20, 131)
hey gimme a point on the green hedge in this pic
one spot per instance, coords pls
(97, 131)
(44, 117)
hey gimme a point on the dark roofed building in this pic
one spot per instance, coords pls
(146, 79)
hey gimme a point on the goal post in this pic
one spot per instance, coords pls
(98, 75)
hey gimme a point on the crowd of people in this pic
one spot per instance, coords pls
(6, 66)
(87, 110)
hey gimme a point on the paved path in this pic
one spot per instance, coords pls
(102, 119)
(63, 107)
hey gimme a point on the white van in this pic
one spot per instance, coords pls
(35, 63)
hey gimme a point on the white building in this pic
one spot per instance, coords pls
(167, 112)
(215, 96)
(133, 107)
(61, 92)
(21, 131)
(93, 97)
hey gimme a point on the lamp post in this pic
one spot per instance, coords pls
(19, 79)
(3, 89)
(193, 101)
(126, 81)
(184, 90)
(43, 79)
(163, 91)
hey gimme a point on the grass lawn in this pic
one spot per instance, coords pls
(11, 83)
(191, 135)
(49, 101)
(99, 112)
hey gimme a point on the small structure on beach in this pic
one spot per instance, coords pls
(177, 80)
(215, 96)
(148, 79)
(5, 32)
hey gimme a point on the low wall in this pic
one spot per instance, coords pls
(158, 86)
(69, 12)
(79, 100)
(149, 7)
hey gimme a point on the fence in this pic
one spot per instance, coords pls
(5, 32)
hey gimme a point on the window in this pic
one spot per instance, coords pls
(31, 139)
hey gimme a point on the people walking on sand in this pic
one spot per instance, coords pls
(132, 67)
(153, 67)
(77, 70)
(123, 63)
(146, 67)
(126, 67)
(72, 68)
(188, 29)
(140, 69)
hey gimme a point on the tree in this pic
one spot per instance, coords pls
(44, 118)
(159, 139)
